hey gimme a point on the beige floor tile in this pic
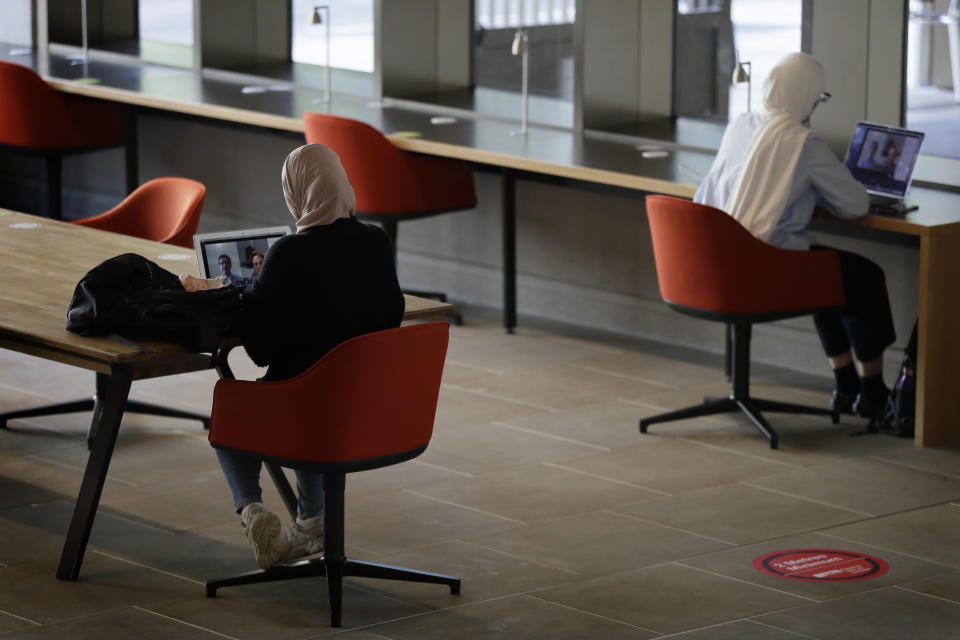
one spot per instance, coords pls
(401, 520)
(490, 349)
(286, 610)
(557, 387)
(10, 623)
(519, 618)
(738, 514)
(941, 461)
(459, 407)
(485, 574)
(931, 533)
(548, 492)
(30, 590)
(946, 586)
(599, 543)
(490, 447)
(670, 598)
(609, 424)
(674, 465)
(738, 564)
(739, 630)
(128, 622)
(868, 486)
(887, 614)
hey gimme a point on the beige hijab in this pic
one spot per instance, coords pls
(790, 92)
(315, 186)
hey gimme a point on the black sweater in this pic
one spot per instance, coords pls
(315, 290)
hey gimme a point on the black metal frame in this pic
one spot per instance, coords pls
(740, 398)
(95, 404)
(333, 563)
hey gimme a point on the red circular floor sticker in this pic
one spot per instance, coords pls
(823, 565)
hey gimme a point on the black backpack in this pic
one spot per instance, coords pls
(131, 296)
(898, 419)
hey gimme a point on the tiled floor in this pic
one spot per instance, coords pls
(562, 520)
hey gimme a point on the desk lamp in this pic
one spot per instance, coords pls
(317, 19)
(519, 48)
(741, 74)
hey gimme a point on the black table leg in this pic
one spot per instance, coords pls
(130, 149)
(509, 212)
(114, 397)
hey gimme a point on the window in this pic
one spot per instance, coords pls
(351, 34)
(933, 75)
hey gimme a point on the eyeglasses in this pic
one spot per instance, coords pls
(824, 96)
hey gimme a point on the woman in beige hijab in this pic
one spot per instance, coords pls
(331, 281)
(770, 172)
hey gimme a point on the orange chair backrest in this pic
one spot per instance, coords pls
(707, 260)
(372, 396)
(380, 173)
(163, 209)
(31, 113)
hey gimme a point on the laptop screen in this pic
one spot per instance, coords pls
(882, 158)
(235, 255)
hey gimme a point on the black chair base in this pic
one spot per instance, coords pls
(334, 564)
(345, 567)
(738, 360)
(90, 404)
(750, 406)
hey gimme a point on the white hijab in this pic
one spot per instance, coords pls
(790, 93)
(315, 186)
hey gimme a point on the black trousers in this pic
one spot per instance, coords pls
(865, 322)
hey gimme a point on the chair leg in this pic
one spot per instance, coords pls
(47, 410)
(363, 569)
(334, 564)
(748, 407)
(789, 407)
(719, 405)
(54, 164)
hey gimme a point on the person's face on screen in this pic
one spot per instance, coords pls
(257, 261)
(225, 266)
(873, 149)
(891, 153)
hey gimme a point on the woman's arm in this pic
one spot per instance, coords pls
(836, 188)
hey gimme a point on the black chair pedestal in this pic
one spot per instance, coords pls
(333, 564)
(740, 399)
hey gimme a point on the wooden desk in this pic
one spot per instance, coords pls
(35, 291)
(557, 154)
(937, 224)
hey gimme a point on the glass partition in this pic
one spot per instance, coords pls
(497, 71)
(351, 44)
(16, 25)
(933, 75)
(159, 31)
(713, 37)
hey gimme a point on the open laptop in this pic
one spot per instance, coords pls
(882, 158)
(229, 255)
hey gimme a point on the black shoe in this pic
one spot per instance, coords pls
(842, 402)
(873, 407)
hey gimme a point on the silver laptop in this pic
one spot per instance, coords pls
(230, 255)
(883, 158)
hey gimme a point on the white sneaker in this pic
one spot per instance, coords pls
(262, 529)
(304, 537)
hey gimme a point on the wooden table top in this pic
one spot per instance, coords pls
(45, 260)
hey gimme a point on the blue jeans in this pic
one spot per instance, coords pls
(243, 478)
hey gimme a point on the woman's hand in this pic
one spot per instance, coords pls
(193, 283)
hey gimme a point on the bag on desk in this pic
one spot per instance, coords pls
(899, 417)
(132, 296)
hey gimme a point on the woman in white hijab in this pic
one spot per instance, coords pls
(331, 281)
(770, 173)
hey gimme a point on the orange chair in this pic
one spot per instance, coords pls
(392, 185)
(163, 209)
(368, 403)
(36, 120)
(710, 267)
